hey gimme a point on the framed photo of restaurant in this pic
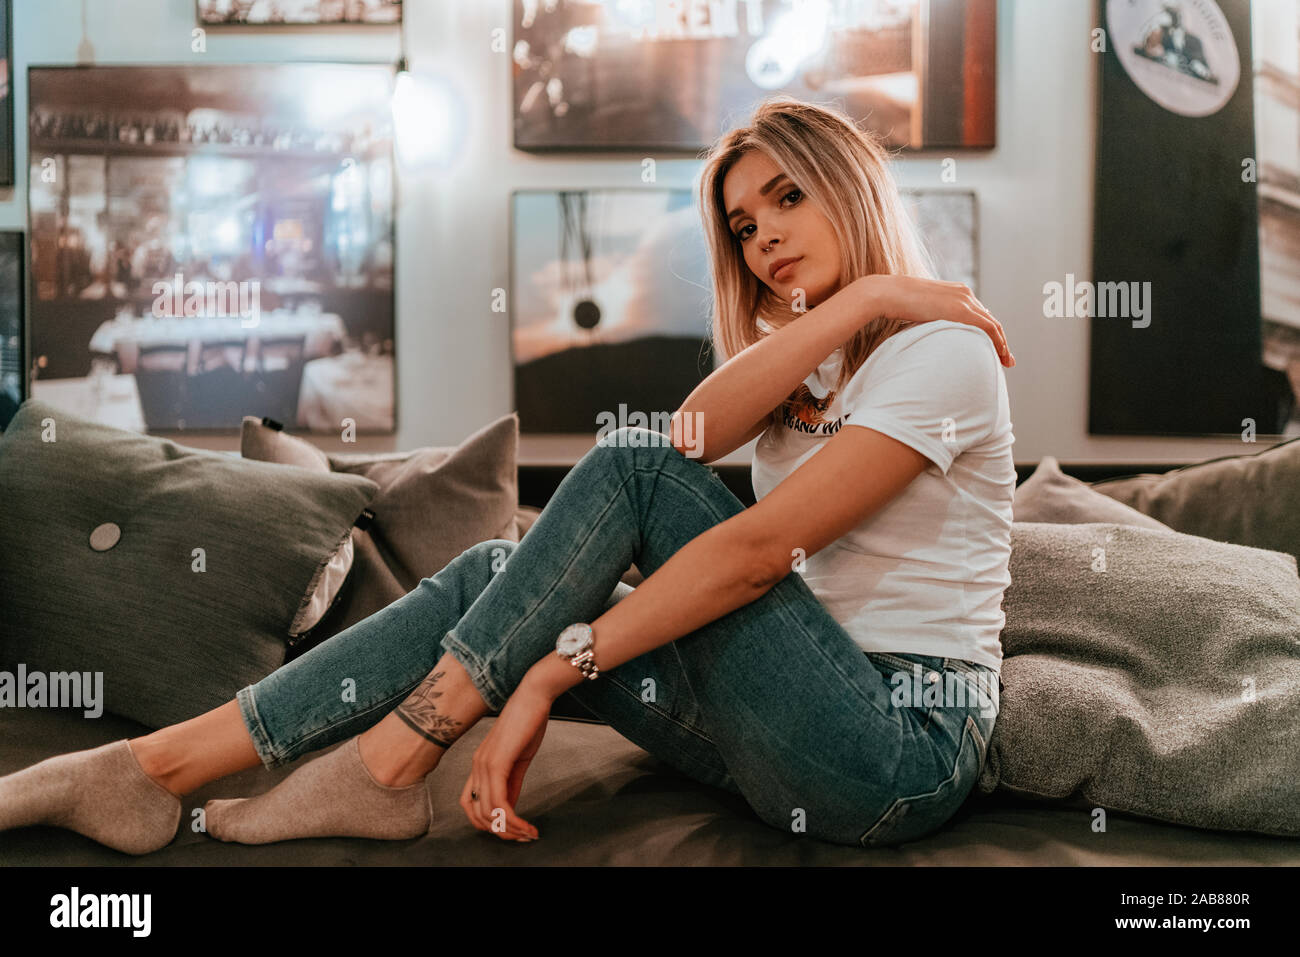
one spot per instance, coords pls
(209, 242)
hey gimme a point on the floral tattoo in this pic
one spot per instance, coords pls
(420, 711)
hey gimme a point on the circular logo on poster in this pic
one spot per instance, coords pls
(1181, 53)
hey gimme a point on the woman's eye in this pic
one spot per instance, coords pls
(740, 233)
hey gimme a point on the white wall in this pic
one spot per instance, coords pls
(1035, 205)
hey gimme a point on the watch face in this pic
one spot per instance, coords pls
(573, 640)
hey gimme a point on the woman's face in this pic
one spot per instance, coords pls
(772, 220)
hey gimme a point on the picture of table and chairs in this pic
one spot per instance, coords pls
(150, 185)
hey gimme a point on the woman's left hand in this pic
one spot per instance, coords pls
(497, 774)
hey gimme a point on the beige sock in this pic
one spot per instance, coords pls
(102, 793)
(331, 796)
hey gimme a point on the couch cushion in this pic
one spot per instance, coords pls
(1244, 499)
(432, 504)
(1150, 672)
(1049, 495)
(174, 572)
(598, 799)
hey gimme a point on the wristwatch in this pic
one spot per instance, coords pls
(576, 645)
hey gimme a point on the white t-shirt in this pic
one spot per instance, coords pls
(926, 573)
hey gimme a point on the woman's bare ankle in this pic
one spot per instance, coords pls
(409, 742)
(396, 756)
(184, 757)
(154, 759)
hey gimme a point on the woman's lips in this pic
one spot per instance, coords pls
(784, 271)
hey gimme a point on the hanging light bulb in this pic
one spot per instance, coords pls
(426, 118)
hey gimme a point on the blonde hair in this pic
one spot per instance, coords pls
(845, 171)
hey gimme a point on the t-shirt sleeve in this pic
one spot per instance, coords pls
(937, 393)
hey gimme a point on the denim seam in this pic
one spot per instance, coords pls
(681, 755)
(698, 732)
(399, 697)
(968, 727)
(524, 619)
(261, 739)
(477, 670)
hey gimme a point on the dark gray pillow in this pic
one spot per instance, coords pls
(100, 569)
(1244, 499)
(432, 504)
(1049, 495)
(1150, 672)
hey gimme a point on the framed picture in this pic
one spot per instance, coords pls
(1277, 171)
(667, 75)
(297, 12)
(611, 297)
(1173, 304)
(13, 365)
(206, 243)
(948, 222)
(6, 93)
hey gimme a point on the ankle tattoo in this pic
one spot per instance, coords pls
(420, 712)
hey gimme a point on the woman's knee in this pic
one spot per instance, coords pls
(492, 553)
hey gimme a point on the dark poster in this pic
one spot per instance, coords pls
(1175, 342)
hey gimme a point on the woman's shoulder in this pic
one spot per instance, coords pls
(925, 346)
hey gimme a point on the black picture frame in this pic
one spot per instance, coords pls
(13, 325)
(7, 93)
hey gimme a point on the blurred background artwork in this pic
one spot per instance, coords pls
(673, 75)
(151, 187)
(289, 12)
(6, 94)
(1277, 139)
(610, 292)
(11, 326)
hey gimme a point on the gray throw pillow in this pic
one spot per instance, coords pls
(1150, 672)
(432, 504)
(1049, 495)
(173, 572)
(1244, 499)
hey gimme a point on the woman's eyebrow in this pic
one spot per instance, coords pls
(767, 188)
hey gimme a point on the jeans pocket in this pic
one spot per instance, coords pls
(920, 813)
(908, 677)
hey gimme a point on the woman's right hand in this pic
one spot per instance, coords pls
(925, 300)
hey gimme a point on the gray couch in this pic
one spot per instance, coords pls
(598, 799)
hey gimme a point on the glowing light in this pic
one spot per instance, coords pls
(427, 117)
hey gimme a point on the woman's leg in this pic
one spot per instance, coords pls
(774, 699)
(126, 794)
(336, 690)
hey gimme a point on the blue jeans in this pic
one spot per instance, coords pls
(773, 701)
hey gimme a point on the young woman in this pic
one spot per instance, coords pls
(794, 649)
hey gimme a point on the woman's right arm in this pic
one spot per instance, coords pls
(734, 403)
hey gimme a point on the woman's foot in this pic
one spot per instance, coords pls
(334, 795)
(102, 793)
